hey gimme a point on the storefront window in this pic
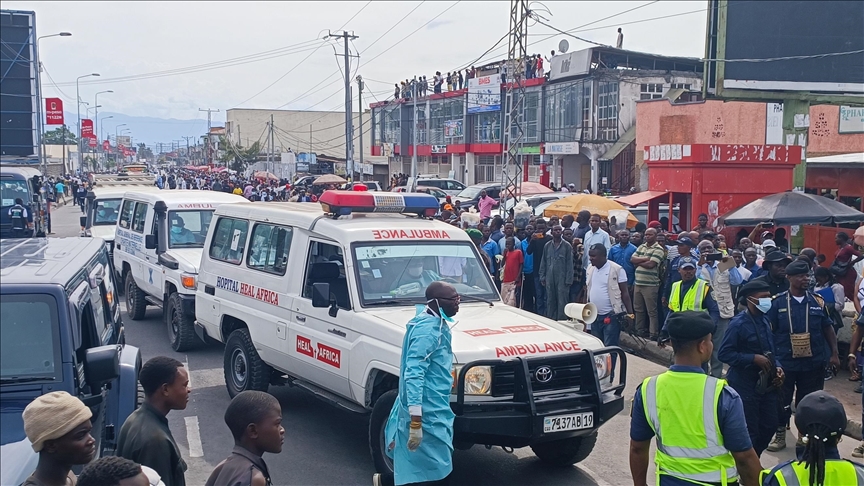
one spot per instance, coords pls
(568, 109)
(607, 110)
(392, 123)
(487, 127)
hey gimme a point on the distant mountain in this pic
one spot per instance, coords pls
(149, 130)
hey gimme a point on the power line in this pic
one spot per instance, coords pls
(285, 51)
(280, 78)
(313, 89)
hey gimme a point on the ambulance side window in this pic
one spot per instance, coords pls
(269, 247)
(326, 264)
(139, 217)
(126, 214)
(229, 240)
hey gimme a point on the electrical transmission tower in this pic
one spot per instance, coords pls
(514, 117)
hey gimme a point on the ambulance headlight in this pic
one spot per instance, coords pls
(603, 365)
(478, 380)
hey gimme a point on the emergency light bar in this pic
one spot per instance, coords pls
(342, 203)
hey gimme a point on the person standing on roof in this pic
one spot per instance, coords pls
(419, 431)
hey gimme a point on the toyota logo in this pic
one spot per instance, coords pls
(543, 374)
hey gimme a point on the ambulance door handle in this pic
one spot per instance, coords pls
(209, 290)
(301, 318)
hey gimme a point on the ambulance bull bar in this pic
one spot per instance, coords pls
(518, 421)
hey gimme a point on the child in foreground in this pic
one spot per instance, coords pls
(255, 421)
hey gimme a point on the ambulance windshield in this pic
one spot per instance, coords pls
(401, 271)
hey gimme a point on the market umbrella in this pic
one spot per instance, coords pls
(788, 208)
(588, 202)
(261, 174)
(531, 188)
(330, 179)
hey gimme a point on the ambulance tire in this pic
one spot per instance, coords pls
(181, 329)
(136, 306)
(565, 452)
(377, 422)
(244, 369)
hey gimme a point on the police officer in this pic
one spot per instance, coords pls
(821, 419)
(689, 294)
(18, 215)
(774, 271)
(692, 446)
(754, 372)
(805, 342)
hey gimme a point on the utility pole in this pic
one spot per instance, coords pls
(514, 130)
(360, 111)
(349, 131)
(270, 145)
(188, 158)
(207, 155)
(413, 184)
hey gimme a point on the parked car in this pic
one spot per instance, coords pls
(432, 191)
(61, 331)
(370, 185)
(450, 186)
(469, 196)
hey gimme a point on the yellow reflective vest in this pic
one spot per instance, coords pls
(681, 409)
(793, 473)
(693, 299)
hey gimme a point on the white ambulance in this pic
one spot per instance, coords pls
(103, 209)
(157, 249)
(318, 296)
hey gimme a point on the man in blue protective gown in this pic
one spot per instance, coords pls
(419, 431)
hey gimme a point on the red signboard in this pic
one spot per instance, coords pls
(87, 129)
(53, 111)
(106, 145)
(92, 142)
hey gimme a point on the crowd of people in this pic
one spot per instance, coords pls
(456, 80)
(59, 427)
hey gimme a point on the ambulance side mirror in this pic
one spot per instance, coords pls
(321, 298)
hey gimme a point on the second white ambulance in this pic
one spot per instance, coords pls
(318, 296)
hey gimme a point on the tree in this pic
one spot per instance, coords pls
(58, 135)
(236, 157)
(144, 152)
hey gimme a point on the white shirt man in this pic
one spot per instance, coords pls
(598, 290)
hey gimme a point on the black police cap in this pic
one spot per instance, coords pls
(821, 408)
(798, 267)
(689, 325)
(753, 287)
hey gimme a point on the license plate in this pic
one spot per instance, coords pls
(561, 423)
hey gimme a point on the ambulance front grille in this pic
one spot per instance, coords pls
(566, 374)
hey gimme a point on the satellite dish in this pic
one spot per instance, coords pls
(563, 46)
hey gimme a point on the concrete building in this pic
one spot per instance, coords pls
(579, 123)
(319, 132)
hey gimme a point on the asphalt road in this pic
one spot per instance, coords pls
(328, 446)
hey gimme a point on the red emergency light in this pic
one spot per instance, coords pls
(342, 203)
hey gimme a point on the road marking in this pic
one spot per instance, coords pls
(193, 437)
(208, 378)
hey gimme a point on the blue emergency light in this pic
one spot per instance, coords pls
(342, 203)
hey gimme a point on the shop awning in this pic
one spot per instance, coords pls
(620, 145)
(640, 197)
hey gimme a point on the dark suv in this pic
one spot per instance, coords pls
(469, 196)
(60, 330)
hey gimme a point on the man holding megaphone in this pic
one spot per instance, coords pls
(606, 284)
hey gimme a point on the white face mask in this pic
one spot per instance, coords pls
(415, 271)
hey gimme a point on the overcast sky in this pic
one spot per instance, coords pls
(121, 39)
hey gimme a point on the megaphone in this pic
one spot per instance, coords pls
(583, 313)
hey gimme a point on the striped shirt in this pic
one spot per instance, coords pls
(649, 277)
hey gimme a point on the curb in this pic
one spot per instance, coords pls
(663, 357)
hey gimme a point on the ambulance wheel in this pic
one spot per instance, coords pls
(181, 330)
(244, 369)
(565, 452)
(377, 422)
(136, 306)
